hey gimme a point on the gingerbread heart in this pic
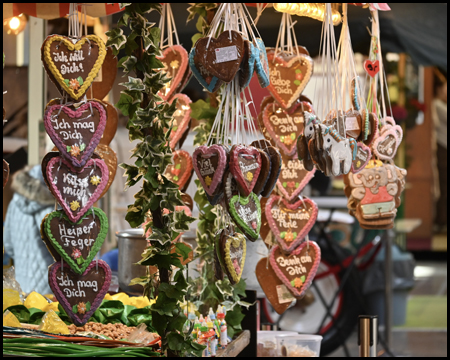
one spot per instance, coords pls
(76, 189)
(296, 270)
(290, 223)
(248, 64)
(282, 127)
(104, 81)
(181, 170)
(233, 249)
(175, 61)
(245, 165)
(246, 213)
(372, 67)
(289, 76)
(112, 120)
(77, 243)
(264, 174)
(109, 156)
(262, 64)
(275, 169)
(276, 292)
(48, 244)
(203, 76)
(180, 120)
(221, 56)
(293, 177)
(363, 155)
(76, 131)
(209, 165)
(72, 65)
(5, 172)
(386, 144)
(80, 295)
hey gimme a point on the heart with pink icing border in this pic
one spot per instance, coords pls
(175, 61)
(296, 270)
(245, 165)
(290, 223)
(293, 177)
(386, 144)
(76, 189)
(180, 171)
(289, 76)
(284, 128)
(181, 118)
(80, 295)
(363, 155)
(209, 165)
(76, 132)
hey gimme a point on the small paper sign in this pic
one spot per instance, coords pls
(224, 54)
(351, 123)
(284, 295)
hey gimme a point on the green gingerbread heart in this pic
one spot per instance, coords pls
(246, 213)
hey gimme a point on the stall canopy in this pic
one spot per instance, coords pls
(419, 29)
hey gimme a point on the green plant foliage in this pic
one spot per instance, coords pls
(148, 116)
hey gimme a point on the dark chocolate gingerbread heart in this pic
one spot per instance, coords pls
(80, 295)
(245, 165)
(209, 165)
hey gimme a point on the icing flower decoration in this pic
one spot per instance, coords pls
(74, 205)
(254, 225)
(298, 282)
(236, 266)
(95, 180)
(174, 64)
(249, 176)
(208, 181)
(299, 76)
(289, 236)
(76, 253)
(74, 150)
(74, 84)
(81, 307)
(288, 140)
(291, 184)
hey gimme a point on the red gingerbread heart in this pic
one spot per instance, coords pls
(372, 67)
(245, 165)
(175, 61)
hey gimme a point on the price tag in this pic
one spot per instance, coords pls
(228, 53)
(284, 295)
(351, 123)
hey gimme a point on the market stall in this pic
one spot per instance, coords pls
(178, 288)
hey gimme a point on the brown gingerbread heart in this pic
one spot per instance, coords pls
(112, 120)
(180, 172)
(221, 56)
(104, 81)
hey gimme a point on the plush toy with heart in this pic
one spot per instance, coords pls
(76, 131)
(181, 119)
(175, 61)
(289, 76)
(80, 295)
(209, 165)
(180, 172)
(76, 190)
(282, 127)
(363, 155)
(276, 292)
(77, 243)
(246, 213)
(293, 177)
(245, 165)
(221, 57)
(232, 251)
(290, 223)
(72, 65)
(372, 67)
(296, 270)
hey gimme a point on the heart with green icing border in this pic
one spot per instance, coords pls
(247, 219)
(69, 238)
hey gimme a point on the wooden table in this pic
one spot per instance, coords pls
(236, 346)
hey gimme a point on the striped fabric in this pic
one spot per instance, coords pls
(50, 11)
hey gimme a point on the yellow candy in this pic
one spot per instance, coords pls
(108, 297)
(139, 301)
(53, 324)
(121, 297)
(35, 300)
(52, 306)
(9, 319)
(10, 297)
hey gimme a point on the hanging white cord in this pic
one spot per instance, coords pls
(381, 69)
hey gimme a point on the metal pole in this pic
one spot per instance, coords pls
(37, 89)
(388, 288)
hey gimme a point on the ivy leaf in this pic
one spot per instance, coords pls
(180, 281)
(224, 287)
(128, 63)
(171, 291)
(202, 110)
(134, 84)
(116, 39)
(183, 249)
(175, 341)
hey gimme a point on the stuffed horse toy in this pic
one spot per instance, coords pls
(339, 149)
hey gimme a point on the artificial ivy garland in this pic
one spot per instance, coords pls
(148, 116)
